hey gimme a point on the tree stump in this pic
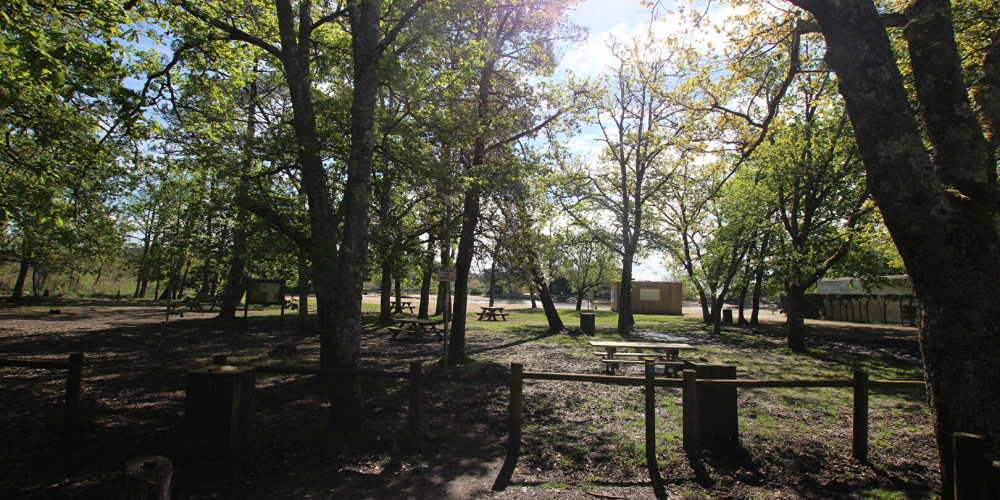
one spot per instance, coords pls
(218, 411)
(147, 478)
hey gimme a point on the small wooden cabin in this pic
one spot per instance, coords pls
(652, 297)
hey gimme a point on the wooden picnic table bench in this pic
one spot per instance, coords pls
(664, 354)
(492, 313)
(398, 306)
(417, 327)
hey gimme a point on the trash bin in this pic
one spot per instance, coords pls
(727, 316)
(587, 323)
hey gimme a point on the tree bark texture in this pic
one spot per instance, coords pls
(796, 318)
(942, 210)
(425, 282)
(463, 263)
(625, 319)
(22, 274)
(385, 293)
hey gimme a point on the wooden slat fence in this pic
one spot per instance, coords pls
(74, 381)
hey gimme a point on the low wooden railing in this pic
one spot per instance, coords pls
(691, 420)
(74, 381)
(415, 376)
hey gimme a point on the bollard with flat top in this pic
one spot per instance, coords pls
(218, 411)
(716, 406)
(147, 478)
(587, 323)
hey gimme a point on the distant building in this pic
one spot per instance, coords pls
(898, 285)
(845, 299)
(652, 297)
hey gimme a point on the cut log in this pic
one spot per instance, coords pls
(147, 478)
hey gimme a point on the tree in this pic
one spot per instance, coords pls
(640, 122)
(587, 265)
(337, 276)
(60, 97)
(504, 43)
(811, 174)
(940, 205)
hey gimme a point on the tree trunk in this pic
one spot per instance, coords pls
(717, 305)
(34, 281)
(742, 321)
(758, 284)
(625, 319)
(579, 301)
(463, 264)
(303, 292)
(706, 313)
(493, 275)
(441, 299)
(235, 285)
(941, 214)
(385, 293)
(425, 282)
(22, 275)
(531, 295)
(551, 313)
(795, 322)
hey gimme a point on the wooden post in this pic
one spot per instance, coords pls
(514, 427)
(859, 448)
(416, 389)
(74, 381)
(218, 411)
(649, 387)
(692, 433)
(716, 406)
(516, 407)
(970, 455)
(148, 478)
(650, 391)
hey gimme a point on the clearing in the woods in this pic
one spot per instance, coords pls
(580, 440)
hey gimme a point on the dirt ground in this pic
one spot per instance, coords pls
(133, 406)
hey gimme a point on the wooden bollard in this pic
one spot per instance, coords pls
(147, 478)
(859, 444)
(218, 411)
(969, 466)
(692, 433)
(416, 390)
(74, 382)
(514, 427)
(649, 387)
(516, 408)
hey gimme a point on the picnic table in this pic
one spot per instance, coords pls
(492, 313)
(417, 327)
(399, 305)
(663, 354)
